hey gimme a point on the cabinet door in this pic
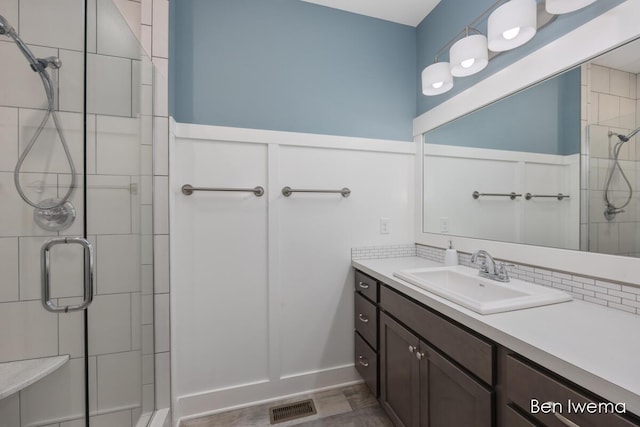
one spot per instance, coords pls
(449, 396)
(399, 373)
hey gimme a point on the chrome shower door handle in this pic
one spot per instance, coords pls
(45, 266)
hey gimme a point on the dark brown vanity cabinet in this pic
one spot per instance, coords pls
(528, 387)
(434, 372)
(366, 329)
(421, 388)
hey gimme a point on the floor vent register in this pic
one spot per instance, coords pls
(292, 411)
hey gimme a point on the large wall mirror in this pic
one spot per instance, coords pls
(571, 234)
(545, 166)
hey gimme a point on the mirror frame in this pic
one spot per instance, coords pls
(608, 30)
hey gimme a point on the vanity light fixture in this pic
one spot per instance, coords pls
(437, 78)
(558, 7)
(469, 55)
(512, 25)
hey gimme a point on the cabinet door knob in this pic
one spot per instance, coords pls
(364, 362)
(419, 355)
(411, 349)
(363, 285)
(363, 318)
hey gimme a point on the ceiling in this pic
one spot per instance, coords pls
(625, 58)
(407, 12)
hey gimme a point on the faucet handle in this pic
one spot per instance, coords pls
(502, 272)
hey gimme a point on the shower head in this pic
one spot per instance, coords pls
(5, 27)
(626, 138)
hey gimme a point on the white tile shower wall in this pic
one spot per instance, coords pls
(112, 199)
(618, 296)
(609, 104)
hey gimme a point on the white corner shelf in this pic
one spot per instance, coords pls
(14, 376)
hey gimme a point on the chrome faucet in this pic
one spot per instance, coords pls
(489, 268)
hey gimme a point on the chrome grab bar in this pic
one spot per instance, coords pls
(287, 191)
(558, 196)
(188, 190)
(511, 195)
(45, 265)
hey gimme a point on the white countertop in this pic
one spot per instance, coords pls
(593, 346)
(14, 376)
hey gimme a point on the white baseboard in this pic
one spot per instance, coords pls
(242, 396)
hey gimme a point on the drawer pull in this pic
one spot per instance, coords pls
(363, 318)
(364, 362)
(562, 419)
(411, 349)
(420, 355)
(363, 285)
(565, 421)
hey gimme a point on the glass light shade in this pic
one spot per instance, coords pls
(512, 25)
(558, 7)
(437, 79)
(469, 55)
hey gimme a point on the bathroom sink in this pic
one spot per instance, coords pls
(463, 286)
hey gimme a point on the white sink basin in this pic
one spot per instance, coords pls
(464, 286)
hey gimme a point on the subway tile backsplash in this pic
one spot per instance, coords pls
(386, 251)
(618, 296)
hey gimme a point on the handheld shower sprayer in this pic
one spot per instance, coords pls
(5, 27)
(626, 138)
(611, 209)
(53, 214)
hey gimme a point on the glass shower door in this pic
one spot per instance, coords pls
(106, 351)
(42, 168)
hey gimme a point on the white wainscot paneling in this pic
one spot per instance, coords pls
(316, 234)
(263, 302)
(549, 221)
(452, 174)
(219, 310)
(449, 183)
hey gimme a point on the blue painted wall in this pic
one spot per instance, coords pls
(544, 118)
(293, 66)
(450, 16)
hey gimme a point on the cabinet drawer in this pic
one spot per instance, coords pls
(366, 361)
(470, 351)
(525, 382)
(366, 320)
(368, 286)
(513, 419)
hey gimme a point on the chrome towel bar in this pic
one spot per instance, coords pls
(188, 190)
(511, 195)
(558, 196)
(287, 191)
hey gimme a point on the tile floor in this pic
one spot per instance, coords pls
(352, 406)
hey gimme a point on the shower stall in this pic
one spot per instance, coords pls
(610, 220)
(76, 226)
